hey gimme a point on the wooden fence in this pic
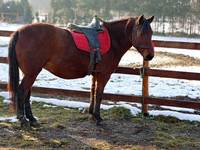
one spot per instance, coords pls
(2, 16)
(131, 71)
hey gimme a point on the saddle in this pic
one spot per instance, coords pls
(91, 32)
(94, 25)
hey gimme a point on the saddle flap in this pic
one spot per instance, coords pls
(92, 37)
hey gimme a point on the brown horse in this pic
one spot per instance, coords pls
(40, 45)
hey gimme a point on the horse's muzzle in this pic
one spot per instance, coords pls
(149, 57)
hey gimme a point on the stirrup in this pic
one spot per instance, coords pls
(94, 66)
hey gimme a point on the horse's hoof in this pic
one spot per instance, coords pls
(25, 124)
(93, 119)
(101, 123)
(34, 123)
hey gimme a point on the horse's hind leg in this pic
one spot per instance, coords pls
(29, 115)
(22, 95)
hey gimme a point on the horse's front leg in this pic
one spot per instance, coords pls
(91, 108)
(100, 83)
(97, 104)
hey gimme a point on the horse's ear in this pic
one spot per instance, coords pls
(150, 19)
(140, 20)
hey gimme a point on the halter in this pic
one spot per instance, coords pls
(138, 45)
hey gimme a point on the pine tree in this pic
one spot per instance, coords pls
(28, 18)
(28, 14)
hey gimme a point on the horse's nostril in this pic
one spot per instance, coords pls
(149, 57)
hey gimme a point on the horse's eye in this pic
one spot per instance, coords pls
(141, 34)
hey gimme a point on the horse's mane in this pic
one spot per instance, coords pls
(116, 21)
(144, 26)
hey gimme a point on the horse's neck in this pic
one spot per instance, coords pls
(120, 40)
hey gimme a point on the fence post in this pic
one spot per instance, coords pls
(145, 90)
(17, 16)
(2, 17)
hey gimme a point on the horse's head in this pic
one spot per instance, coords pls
(140, 36)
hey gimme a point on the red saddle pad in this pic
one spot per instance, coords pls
(82, 42)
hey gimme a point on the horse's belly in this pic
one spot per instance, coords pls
(67, 71)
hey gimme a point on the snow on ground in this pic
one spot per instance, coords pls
(10, 27)
(75, 104)
(118, 83)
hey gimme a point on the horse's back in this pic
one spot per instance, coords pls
(43, 45)
(36, 45)
(40, 36)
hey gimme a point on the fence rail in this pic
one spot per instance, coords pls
(131, 71)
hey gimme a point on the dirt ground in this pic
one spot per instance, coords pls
(120, 133)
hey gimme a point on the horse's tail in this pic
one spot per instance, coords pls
(13, 81)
